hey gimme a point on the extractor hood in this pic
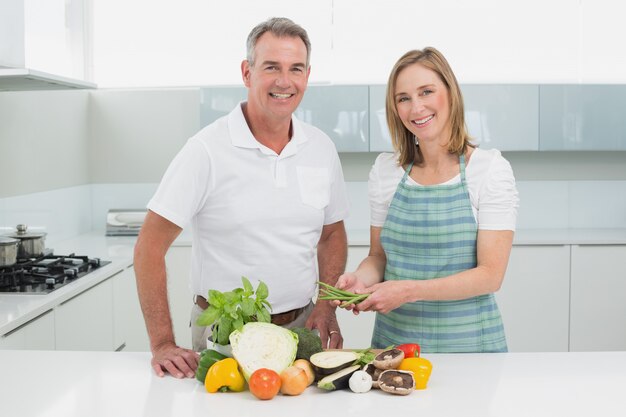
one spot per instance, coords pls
(22, 79)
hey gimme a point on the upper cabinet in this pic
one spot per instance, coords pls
(339, 111)
(216, 102)
(42, 45)
(380, 140)
(505, 117)
(583, 117)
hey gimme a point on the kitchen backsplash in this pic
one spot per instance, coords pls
(68, 212)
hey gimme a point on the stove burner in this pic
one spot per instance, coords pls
(45, 274)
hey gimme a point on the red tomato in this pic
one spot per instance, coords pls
(264, 383)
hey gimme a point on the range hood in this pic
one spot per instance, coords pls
(23, 79)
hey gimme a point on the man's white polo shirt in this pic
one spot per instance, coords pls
(253, 212)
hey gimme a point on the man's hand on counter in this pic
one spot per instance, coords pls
(324, 319)
(179, 362)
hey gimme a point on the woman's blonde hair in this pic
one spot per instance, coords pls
(403, 140)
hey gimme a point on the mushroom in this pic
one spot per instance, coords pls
(389, 359)
(397, 382)
(374, 372)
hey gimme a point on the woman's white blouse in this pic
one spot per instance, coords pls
(490, 183)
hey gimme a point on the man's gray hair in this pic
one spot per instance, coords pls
(279, 27)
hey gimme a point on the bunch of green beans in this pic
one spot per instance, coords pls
(328, 292)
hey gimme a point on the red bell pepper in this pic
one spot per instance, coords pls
(411, 350)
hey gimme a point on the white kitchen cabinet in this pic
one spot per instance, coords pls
(85, 322)
(598, 298)
(178, 261)
(43, 35)
(37, 334)
(12, 33)
(129, 329)
(356, 330)
(534, 299)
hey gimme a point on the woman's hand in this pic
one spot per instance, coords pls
(386, 296)
(350, 282)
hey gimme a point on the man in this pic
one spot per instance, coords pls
(263, 193)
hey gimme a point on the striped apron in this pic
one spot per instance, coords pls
(430, 232)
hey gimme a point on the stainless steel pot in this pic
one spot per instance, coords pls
(32, 244)
(8, 251)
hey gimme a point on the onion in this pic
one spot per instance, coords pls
(293, 381)
(307, 368)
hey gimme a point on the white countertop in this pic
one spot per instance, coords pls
(79, 384)
(17, 309)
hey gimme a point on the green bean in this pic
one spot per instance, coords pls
(330, 288)
(354, 300)
(328, 292)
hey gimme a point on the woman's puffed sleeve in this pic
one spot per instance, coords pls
(383, 180)
(498, 198)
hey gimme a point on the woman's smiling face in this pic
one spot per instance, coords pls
(423, 104)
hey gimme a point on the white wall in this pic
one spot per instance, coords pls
(195, 42)
(136, 133)
(43, 141)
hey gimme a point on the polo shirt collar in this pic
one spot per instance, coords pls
(241, 136)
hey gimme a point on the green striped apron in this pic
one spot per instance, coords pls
(430, 232)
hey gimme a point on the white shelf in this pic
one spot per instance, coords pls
(22, 79)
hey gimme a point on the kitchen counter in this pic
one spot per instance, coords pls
(16, 310)
(68, 384)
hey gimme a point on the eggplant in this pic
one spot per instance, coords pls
(338, 380)
(331, 361)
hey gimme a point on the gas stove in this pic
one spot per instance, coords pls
(45, 274)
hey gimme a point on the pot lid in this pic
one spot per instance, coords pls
(6, 241)
(22, 233)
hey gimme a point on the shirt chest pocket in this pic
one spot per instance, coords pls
(314, 186)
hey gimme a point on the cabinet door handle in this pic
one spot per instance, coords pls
(10, 332)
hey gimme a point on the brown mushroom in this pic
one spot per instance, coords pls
(389, 359)
(374, 373)
(397, 382)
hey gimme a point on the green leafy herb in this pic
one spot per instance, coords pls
(365, 356)
(229, 311)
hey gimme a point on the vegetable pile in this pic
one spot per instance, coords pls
(264, 357)
(270, 359)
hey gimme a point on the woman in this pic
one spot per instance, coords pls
(442, 220)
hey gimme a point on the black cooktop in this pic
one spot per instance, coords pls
(45, 274)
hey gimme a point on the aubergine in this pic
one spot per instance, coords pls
(331, 361)
(338, 380)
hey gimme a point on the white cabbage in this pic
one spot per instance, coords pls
(263, 345)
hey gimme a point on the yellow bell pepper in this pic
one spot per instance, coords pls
(421, 369)
(224, 376)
